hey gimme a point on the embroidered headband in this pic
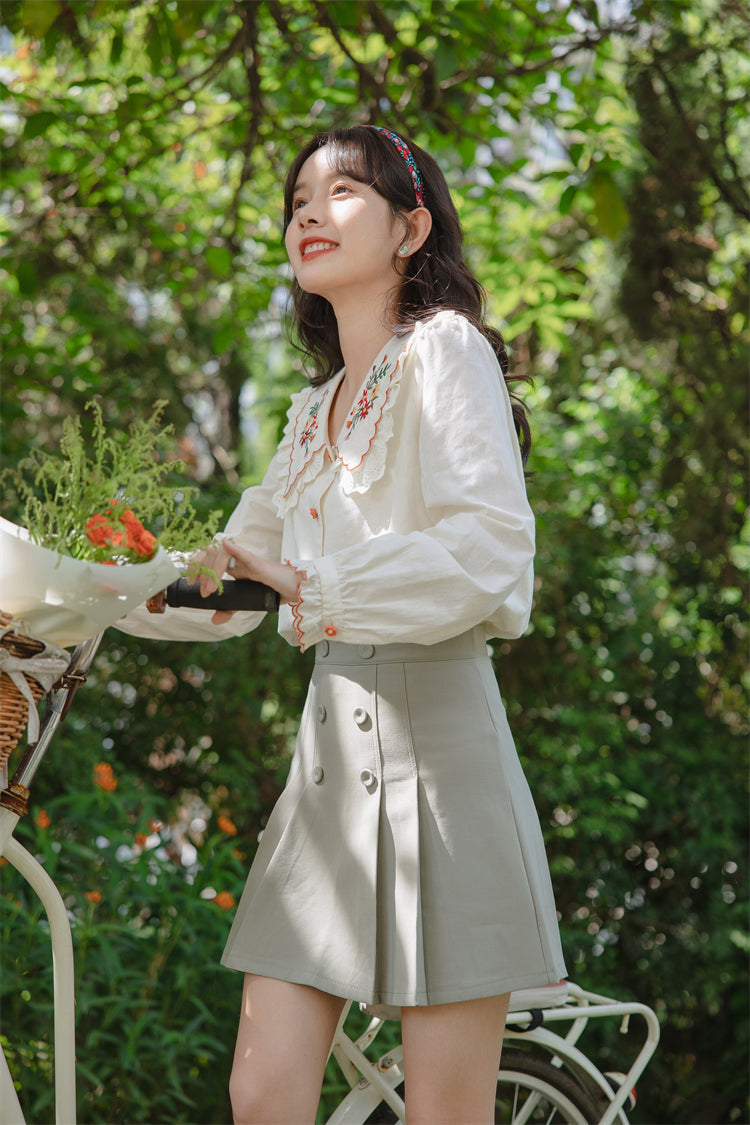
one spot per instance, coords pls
(403, 149)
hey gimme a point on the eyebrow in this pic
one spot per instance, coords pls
(302, 185)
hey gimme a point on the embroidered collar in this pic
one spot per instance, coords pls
(365, 427)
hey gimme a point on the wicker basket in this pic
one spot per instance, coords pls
(14, 707)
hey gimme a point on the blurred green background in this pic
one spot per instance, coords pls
(598, 154)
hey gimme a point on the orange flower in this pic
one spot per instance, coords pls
(104, 777)
(138, 538)
(141, 838)
(120, 529)
(99, 531)
(227, 825)
(224, 900)
(94, 896)
(42, 819)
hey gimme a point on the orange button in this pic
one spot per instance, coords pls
(313, 513)
(330, 630)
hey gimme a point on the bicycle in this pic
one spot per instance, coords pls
(544, 1075)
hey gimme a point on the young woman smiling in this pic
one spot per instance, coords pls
(403, 864)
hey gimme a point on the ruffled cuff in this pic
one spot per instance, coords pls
(313, 615)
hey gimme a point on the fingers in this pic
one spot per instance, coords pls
(214, 558)
(222, 616)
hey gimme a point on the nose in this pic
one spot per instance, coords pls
(306, 218)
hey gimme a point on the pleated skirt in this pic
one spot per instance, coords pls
(404, 863)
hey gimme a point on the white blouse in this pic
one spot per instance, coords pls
(414, 526)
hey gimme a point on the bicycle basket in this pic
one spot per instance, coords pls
(14, 707)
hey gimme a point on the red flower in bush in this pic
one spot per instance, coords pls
(104, 777)
(224, 900)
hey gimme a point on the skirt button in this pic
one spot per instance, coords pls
(322, 713)
(366, 651)
(369, 780)
(360, 716)
(317, 775)
(323, 648)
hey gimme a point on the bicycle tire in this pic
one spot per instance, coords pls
(562, 1101)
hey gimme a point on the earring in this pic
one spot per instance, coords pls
(403, 249)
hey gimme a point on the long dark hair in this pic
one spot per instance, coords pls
(434, 277)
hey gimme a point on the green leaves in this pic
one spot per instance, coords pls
(609, 207)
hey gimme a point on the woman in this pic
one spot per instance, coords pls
(404, 863)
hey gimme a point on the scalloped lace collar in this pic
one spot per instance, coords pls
(360, 451)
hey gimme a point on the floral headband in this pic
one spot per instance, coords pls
(404, 151)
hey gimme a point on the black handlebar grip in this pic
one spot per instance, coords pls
(241, 593)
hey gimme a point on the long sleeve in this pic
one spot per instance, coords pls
(472, 558)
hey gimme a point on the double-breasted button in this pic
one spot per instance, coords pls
(369, 780)
(318, 775)
(323, 647)
(322, 713)
(360, 716)
(366, 651)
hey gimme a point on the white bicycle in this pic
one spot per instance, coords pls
(544, 1074)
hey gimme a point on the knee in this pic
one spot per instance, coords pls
(250, 1100)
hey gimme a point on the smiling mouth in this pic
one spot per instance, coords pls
(317, 248)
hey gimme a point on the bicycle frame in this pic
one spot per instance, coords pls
(372, 1083)
(13, 805)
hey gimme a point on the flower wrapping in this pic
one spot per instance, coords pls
(65, 601)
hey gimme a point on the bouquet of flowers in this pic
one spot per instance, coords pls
(103, 530)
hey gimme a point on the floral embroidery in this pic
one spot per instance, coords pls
(360, 455)
(368, 397)
(311, 426)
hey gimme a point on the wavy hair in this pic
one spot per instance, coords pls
(434, 277)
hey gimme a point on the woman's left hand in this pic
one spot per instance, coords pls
(279, 576)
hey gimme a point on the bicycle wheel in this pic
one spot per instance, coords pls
(530, 1090)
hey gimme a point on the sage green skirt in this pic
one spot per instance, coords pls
(403, 864)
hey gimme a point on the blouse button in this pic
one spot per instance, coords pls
(366, 651)
(318, 775)
(360, 716)
(369, 780)
(330, 630)
(314, 513)
(322, 713)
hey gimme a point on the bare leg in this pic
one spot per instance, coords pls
(283, 1042)
(451, 1058)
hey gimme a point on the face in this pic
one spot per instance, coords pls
(342, 236)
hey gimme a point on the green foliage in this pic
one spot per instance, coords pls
(62, 492)
(599, 163)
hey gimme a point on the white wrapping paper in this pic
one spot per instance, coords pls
(66, 601)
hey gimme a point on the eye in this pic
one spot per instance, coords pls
(297, 203)
(341, 187)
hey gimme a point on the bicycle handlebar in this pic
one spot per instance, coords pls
(241, 593)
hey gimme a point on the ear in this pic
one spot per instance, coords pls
(418, 226)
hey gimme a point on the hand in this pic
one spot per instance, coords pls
(279, 576)
(213, 558)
